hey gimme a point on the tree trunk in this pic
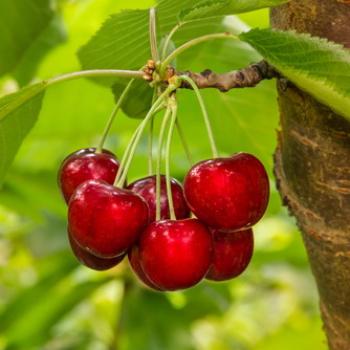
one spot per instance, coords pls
(312, 167)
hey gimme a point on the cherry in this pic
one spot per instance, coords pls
(175, 254)
(92, 261)
(134, 259)
(106, 220)
(146, 188)
(232, 254)
(228, 193)
(86, 164)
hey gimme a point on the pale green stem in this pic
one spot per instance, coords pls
(192, 43)
(120, 180)
(150, 147)
(113, 115)
(205, 114)
(169, 37)
(150, 137)
(96, 73)
(167, 161)
(159, 159)
(125, 156)
(184, 142)
(153, 34)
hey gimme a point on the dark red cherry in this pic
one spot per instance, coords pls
(146, 188)
(106, 220)
(85, 165)
(134, 260)
(232, 254)
(92, 261)
(228, 193)
(175, 254)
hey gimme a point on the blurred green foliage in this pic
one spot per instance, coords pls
(48, 301)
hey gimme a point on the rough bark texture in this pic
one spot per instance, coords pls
(246, 77)
(313, 168)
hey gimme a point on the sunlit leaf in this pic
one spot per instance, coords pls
(18, 114)
(211, 8)
(315, 65)
(28, 30)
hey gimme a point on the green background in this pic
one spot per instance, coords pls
(48, 301)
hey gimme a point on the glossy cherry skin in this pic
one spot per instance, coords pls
(134, 260)
(91, 261)
(146, 188)
(84, 165)
(106, 220)
(175, 254)
(228, 193)
(232, 254)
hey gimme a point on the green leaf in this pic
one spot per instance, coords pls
(211, 8)
(28, 30)
(18, 114)
(137, 105)
(123, 43)
(50, 37)
(315, 65)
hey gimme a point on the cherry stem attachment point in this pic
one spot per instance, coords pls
(113, 115)
(159, 159)
(205, 115)
(167, 159)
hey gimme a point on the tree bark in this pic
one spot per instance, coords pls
(312, 168)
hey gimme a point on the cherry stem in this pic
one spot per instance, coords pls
(150, 146)
(205, 115)
(150, 136)
(113, 115)
(184, 142)
(153, 34)
(159, 159)
(169, 37)
(167, 159)
(125, 156)
(192, 43)
(124, 166)
(96, 73)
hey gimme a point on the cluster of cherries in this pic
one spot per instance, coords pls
(227, 196)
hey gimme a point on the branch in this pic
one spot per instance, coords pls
(246, 77)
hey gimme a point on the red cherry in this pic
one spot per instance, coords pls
(228, 193)
(84, 165)
(106, 220)
(232, 254)
(92, 261)
(134, 259)
(175, 254)
(146, 188)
